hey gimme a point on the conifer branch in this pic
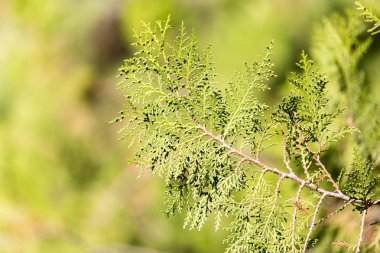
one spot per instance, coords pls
(292, 177)
(206, 143)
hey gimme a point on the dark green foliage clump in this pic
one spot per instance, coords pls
(305, 110)
(361, 182)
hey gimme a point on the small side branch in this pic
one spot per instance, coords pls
(361, 231)
(276, 193)
(277, 190)
(335, 212)
(329, 177)
(238, 166)
(262, 174)
(296, 204)
(317, 159)
(286, 160)
(313, 224)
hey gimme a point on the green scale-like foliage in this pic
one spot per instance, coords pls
(206, 142)
(305, 110)
(361, 181)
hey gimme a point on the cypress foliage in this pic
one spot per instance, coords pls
(207, 143)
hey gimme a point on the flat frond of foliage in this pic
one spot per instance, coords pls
(361, 182)
(207, 143)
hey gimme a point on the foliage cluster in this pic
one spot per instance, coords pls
(211, 145)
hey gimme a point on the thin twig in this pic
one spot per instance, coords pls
(335, 212)
(276, 193)
(286, 160)
(361, 231)
(262, 174)
(312, 225)
(316, 158)
(329, 177)
(293, 177)
(295, 217)
(238, 166)
(304, 159)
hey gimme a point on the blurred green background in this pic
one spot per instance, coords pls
(65, 183)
